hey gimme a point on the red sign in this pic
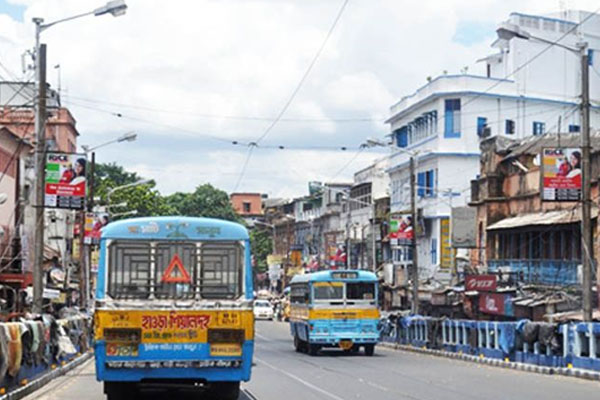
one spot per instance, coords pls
(491, 303)
(481, 283)
(561, 174)
(171, 276)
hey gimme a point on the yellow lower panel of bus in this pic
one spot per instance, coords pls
(348, 313)
(173, 326)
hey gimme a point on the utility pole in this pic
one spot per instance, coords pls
(348, 232)
(40, 166)
(415, 264)
(373, 227)
(586, 202)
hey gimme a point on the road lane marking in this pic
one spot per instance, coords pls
(302, 381)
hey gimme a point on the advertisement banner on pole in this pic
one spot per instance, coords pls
(94, 222)
(65, 185)
(561, 174)
(401, 228)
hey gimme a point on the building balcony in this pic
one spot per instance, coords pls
(449, 84)
(542, 272)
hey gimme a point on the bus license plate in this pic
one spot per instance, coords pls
(121, 349)
(346, 344)
(225, 349)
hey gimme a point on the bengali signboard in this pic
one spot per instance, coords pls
(446, 250)
(65, 181)
(561, 174)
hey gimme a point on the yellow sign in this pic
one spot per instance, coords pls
(302, 313)
(225, 349)
(446, 250)
(328, 284)
(174, 326)
(274, 259)
(296, 258)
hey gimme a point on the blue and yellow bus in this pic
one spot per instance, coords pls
(334, 309)
(174, 306)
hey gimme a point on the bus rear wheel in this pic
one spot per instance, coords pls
(119, 390)
(369, 349)
(297, 344)
(225, 390)
(313, 349)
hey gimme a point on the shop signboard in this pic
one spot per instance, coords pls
(65, 184)
(446, 250)
(561, 174)
(496, 304)
(481, 283)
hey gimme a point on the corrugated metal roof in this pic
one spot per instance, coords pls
(542, 218)
(534, 144)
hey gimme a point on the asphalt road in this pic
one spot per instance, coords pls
(281, 373)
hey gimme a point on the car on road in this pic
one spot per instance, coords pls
(263, 309)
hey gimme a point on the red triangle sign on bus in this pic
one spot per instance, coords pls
(171, 277)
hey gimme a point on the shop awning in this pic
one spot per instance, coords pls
(543, 218)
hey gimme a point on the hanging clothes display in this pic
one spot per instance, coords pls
(15, 348)
(4, 339)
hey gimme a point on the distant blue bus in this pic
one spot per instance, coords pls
(174, 306)
(334, 309)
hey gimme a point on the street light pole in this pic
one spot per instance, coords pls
(415, 263)
(40, 167)
(586, 174)
(116, 8)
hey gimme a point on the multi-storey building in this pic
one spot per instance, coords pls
(527, 88)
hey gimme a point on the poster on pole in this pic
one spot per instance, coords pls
(94, 222)
(65, 184)
(561, 174)
(401, 229)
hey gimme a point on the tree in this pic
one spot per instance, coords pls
(144, 198)
(205, 201)
(261, 245)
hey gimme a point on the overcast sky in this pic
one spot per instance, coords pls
(190, 76)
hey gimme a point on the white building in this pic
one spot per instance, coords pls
(523, 91)
(371, 184)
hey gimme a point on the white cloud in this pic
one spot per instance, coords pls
(244, 58)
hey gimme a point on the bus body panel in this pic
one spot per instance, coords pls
(170, 338)
(326, 325)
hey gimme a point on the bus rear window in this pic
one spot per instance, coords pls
(328, 291)
(174, 270)
(360, 291)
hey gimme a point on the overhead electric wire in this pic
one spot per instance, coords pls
(306, 73)
(243, 170)
(226, 116)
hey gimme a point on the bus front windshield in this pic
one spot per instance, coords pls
(360, 291)
(336, 292)
(328, 291)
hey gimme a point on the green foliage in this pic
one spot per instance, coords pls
(262, 246)
(205, 201)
